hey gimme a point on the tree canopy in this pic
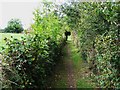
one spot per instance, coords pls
(14, 26)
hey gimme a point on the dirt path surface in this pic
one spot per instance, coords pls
(63, 76)
(71, 82)
(70, 71)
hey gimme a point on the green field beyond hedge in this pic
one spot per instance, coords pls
(8, 35)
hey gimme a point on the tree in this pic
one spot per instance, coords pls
(2, 30)
(14, 26)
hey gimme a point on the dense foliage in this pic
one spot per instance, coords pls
(29, 61)
(95, 31)
(14, 26)
(95, 28)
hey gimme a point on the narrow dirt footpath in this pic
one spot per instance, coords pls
(70, 71)
(63, 76)
(71, 82)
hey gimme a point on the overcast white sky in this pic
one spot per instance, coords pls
(21, 9)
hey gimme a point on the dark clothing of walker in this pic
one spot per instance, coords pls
(67, 33)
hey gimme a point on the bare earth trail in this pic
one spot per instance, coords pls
(63, 76)
(69, 73)
(71, 82)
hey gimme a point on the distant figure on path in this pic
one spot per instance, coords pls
(67, 33)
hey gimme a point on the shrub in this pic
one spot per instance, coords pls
(97, 28)
(29, 61)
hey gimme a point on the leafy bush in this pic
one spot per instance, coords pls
(27, 63)
(96, 26)
(107, 62)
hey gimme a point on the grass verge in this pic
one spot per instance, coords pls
(82, 73)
